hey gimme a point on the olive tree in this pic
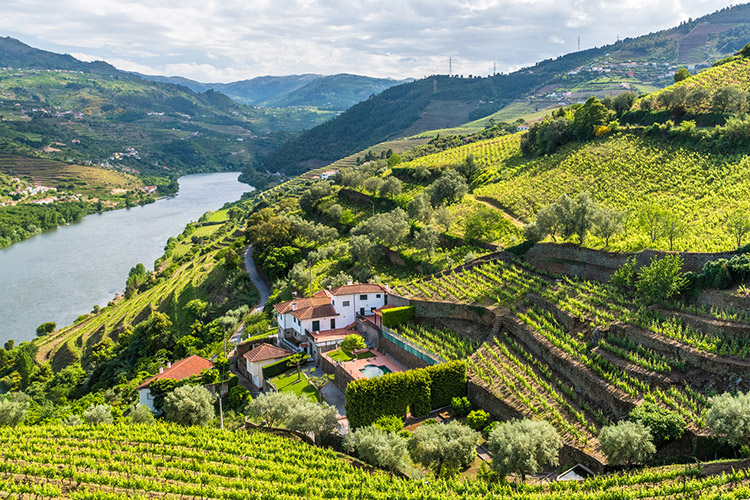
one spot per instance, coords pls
(312, 418)
(663, 424)
(738, 225)
(608, 222)
(12, 413)
(443, 448)
(420, 209)
(729, 418)
(378, 447)
(98, 414)
(142, 415)
(189, 405)
(449, 188)
(390, 187)
(523, 446)
(626, 443)
(272, 408)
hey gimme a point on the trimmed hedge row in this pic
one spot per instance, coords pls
(277, 368)
(397, 315)
(417, 391)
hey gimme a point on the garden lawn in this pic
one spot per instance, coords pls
(287, 381)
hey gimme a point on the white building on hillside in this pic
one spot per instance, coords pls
(327, 310)
(180, 370)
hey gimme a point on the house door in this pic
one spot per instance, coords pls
(316, 326)
(333, 323)
(362, 311)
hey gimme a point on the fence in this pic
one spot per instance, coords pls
(411, 347)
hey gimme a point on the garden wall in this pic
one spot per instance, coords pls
(437, 309)
(405, 358)
(340, 376)
(567, 258)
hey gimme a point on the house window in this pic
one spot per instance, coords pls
(363, 297)
(333, 302)
(333, 323)
(346, 303)
(316, 326)
(377, 295)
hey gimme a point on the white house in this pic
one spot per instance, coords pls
(180, 370)
(260, 356)
(327, 310)
(328, 174)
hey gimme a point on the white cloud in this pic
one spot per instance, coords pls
(234, 39)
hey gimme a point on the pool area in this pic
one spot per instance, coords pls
(371, 371)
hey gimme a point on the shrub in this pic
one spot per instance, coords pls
(389, 423)
(460, 406)
(142, 415)
(661, 279)
(663, 424)
(625, 276)
(378, 447)
(729, 418)
(626, 443)
(491, 427)
(277, 368)
(189, 405)
(46, 328)
(72, 420)
(448, 380)
(523, 446)
(397, 315)
(272, 408)
(443, 448)
(478, 419)
(98, 415)
(12, 413)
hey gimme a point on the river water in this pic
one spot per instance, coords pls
(61, 274)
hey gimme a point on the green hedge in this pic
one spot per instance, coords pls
(277, 368)
(448, 382)
(417, 391)
(397, 315)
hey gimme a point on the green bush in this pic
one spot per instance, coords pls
(460, 406)
(661, 279)
(397, 315)
(448, 381)
(418, 391)
(478, 419)
(389, 423)
(664, 424)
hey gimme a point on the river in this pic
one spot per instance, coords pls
(61, 274)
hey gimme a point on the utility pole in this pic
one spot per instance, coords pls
(494, 68)
(579, 43)
(450, 66)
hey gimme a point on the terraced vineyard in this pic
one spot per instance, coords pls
(72, 342)
(443, 342)
(627, 172)
(174, 462)
(487, 153)
(593, 330)
(735, 72)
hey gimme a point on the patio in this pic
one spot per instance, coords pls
(354, 366)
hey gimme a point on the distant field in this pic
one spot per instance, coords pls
(52, 173)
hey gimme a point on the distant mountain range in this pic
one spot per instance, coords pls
(644, 64)
(329, 92)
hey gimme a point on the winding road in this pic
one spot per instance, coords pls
(263, 290)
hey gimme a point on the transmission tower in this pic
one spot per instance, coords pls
(579, 44)
(494, 68)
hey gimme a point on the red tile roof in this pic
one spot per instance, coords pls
(331, 335)
(265, 352)
(321, 311)
(359, 288)
(181, 370)
(303, 303)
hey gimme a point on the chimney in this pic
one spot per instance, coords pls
(386, 287)
(350, 282)
(294, 306)
(169, 364)
(161, 369)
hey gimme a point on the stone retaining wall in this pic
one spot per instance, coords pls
(452, 310)
(341, 377)
(480, 397)
(404, 357)
(567, 258)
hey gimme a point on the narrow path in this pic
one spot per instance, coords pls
(493, 204)
(260, 285)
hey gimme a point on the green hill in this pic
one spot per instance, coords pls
(644, 63)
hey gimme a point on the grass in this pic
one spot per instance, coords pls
(288, 382)
(341, 356)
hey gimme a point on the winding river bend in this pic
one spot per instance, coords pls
(61, 274)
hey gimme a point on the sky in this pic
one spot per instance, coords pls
(230, 40)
